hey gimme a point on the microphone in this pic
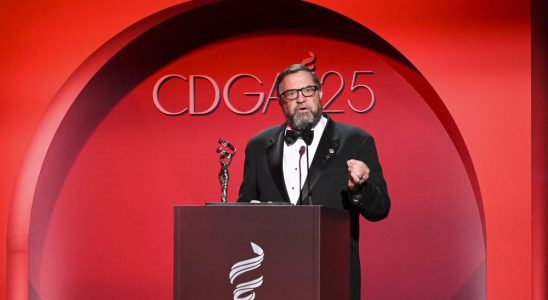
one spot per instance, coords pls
(308, 136)
(301, 152)
(309, 198)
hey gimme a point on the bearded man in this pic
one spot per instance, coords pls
(344, 173)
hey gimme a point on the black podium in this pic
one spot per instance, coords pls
(275, 252)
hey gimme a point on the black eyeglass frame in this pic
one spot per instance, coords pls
(301, 90)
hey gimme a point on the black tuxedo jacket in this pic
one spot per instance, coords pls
(264, 181)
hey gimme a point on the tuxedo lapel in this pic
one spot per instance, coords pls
(327, 148)
(274, 154)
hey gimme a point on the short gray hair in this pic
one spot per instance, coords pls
(294, 69)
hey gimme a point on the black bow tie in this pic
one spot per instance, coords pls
(291, 136)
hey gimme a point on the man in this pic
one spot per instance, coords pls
(345, 172)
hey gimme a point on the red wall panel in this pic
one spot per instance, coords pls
(476, 56)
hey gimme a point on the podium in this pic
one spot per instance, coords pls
(261, 252)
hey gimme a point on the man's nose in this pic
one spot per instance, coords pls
(300, 97)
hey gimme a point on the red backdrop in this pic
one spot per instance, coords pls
(475, 56)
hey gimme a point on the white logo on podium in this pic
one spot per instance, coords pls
(245, 290)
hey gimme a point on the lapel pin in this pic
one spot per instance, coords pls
(331, 152)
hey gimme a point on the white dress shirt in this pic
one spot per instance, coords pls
(291, 161)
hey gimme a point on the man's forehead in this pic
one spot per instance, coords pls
(298, 78)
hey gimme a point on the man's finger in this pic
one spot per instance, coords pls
(355, 177)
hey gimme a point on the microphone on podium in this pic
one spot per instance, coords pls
(307, 136)
(301, 152)
(309, 197)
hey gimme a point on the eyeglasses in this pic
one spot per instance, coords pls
(307, 91)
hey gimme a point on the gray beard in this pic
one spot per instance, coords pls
(302, 122)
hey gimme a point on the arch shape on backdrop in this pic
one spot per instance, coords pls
(102, 83)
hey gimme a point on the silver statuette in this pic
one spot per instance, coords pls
(227, 151)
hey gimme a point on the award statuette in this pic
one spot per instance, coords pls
(227, 151)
